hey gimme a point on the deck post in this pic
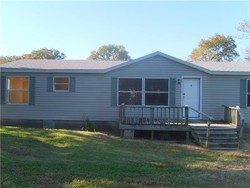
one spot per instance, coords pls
(186, 115)
(187, 137)
(121, 113)
(207, 134)
(121, 133)
(241, 128)
(152, 115)
(152, 135)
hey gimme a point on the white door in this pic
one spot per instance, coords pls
(191, 95)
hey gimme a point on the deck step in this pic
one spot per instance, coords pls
(223, 143)
(215, 129)
(223, 148)
(220, 138)
(216, 133)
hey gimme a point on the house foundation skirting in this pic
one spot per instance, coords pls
(103, 126)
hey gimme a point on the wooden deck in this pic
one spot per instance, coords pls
(139, 118)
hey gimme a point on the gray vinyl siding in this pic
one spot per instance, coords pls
(90, 100)
(222, 90)
(92, 96)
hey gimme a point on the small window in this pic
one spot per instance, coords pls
(18, 90)
(156, 92)
(130, 91)
(248, 93)
(61, 83)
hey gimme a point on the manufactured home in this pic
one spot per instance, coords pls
(111, 93)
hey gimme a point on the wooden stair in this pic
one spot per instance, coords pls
(220, 138)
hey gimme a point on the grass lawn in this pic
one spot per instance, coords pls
(62, 158)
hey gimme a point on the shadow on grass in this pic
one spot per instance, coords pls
(62, 158)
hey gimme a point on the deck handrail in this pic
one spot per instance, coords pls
(202, 113)
(210, 118)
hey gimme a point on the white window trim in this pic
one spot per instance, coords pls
(7, 90)
(54, 90)
(157, 92)
(118, 89)
(143, 92)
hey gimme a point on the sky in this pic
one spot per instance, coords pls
(78, 27)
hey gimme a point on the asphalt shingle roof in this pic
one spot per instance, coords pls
(98, 66)
(46, 64)
(225, 66)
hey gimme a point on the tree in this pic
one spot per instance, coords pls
(247, 52)
(216, 48)
(110, 52)
(6, 59)
(43, 53)
(244, 27)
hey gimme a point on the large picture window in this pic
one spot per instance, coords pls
(136, 91)
(61, 83)
(18, 90)
(156, 92)
(248, 93)
(130, 91)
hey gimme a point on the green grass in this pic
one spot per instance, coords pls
(63, 158)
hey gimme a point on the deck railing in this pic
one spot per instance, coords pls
(141, 115)
(233, 116)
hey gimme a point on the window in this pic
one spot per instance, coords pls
(248, 93)
(61, 83)
(130, 91)
(18, 90)
(156, 92)
(135, 91)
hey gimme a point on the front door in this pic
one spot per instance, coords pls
(191, 95)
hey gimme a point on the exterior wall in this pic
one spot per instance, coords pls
(91, 100)
(92, 97)
(222, 90)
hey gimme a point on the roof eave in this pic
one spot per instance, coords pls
(234, 73)
(18, 70)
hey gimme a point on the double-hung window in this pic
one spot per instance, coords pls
(61, 83)
(138, 91)
(156, 92)
(130, 91)
(248, 93)
(18, 90)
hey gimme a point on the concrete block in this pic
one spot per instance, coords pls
(129, 134)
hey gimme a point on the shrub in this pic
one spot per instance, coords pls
(88, 126)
